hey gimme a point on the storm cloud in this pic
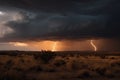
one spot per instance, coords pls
(58, 19)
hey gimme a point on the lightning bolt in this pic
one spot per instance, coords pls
(54, 46)
(93, 45)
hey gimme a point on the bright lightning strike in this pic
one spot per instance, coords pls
(93, 45)
(54, 46)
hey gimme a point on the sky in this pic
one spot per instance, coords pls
(60, 24)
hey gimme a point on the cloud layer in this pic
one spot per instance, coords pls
(58, 19)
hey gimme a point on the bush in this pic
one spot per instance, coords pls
(59, 63)
(102, 56)
(109, 74)
(8, 64)
(36, 68)
(84, 74)
(45, 56)
(101, 71)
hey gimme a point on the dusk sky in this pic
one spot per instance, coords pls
(60, 25)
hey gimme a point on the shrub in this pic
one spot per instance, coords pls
(7, 78)
(59, 63)
(109, 74)
(101, 71)
(84, 74)
(102, 56)
(12, 76)
(75, 65)
(8, 64)
(36, 68)
(115, 64)
(46, 56)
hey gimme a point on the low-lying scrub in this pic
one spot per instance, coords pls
(45, 56)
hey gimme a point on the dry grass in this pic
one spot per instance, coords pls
(58, 67)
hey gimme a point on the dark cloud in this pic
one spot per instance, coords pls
(68, 19)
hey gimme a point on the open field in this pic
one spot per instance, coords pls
(47, 65)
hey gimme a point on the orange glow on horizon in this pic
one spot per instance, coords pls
(93, 45)
(54, 46)
(18, 44)
(44, 45)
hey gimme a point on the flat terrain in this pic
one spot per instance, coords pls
(46, 65)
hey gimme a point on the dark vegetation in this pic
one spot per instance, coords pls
(48, 65)
(45, 56)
